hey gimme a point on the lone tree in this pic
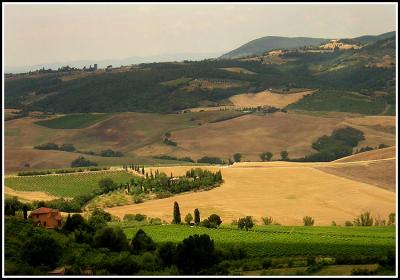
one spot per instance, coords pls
(284, 155)
(177, 214)
(237, 157)
(25, 209)
(215, 219)
(196, 216)
(245, 223)
(266, 156)
(195, 254)
(308, 221)
(188, 218)
(142, 243)
(107, 185)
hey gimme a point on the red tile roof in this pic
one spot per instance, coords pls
(43, 210)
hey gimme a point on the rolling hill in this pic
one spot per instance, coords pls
(265, 44)
(366, 75)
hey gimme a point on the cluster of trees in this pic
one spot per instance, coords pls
(111, 153)
(146, 91)
(366, 219)
(213, 221)
(188, 159)
(368, 148)
(53, 146)
(339, 144)
(71, 148)
(160, 183)
(210, 160)
(81, 161)
(266, 156)
(138, 168)
(90, 246)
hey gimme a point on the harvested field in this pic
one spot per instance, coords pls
(389, 152)
(285, 193)
(267, 98)
(28, 196)
(381, 173)
(239, 70)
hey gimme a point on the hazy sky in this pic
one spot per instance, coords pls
(36, 34)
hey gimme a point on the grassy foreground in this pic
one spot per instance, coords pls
(282, 241)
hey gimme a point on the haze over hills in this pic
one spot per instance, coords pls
(267, 43)
(115, 62)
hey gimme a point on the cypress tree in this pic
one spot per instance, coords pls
(25, 209)
(196, 216)
(177, 214)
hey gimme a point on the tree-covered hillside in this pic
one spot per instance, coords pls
(169, 87)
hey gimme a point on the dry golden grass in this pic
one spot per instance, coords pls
(267, 98)
(385, 153)
(380, 173)
(139, 134)
(285, 193)
(28, 196)
(239, 70)
(252, 135)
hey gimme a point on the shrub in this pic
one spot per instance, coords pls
(391, 219)
(107, 185)
(267, 220)
(348, 224)
(67, 148)
(365, 219)
(308, 221)
(188, 218)
(170, 142)
(237, 157)
(245, 223)
(211, 160)
(47, 146)
(81, 161)
(140, 217)
(195, 254)
(206, 223)
(112, 238)
(284, 155)
(111, 153)
(381, 146)
(266, 156)
(167, 253)
(215, 219)
(41, 249)
(142, 243)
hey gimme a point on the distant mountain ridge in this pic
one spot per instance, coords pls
(267, 43)
(102, 63)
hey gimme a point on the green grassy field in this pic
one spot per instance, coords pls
(66, 185)
(340, 101)
(74, 121)
(281, 241)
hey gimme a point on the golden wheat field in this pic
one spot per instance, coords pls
(285, 191)
(266, 98)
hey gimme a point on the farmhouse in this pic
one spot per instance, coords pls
(47, 217)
